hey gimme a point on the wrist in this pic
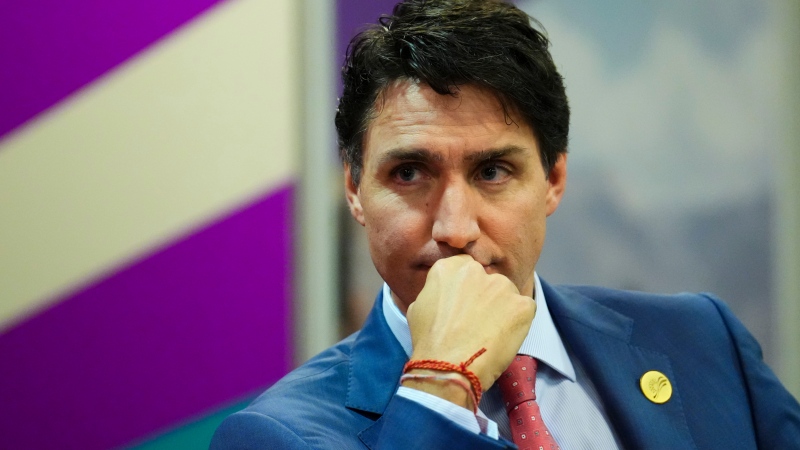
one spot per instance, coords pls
(472, 386)
(451, 386)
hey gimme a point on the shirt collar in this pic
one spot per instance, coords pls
(542, 342)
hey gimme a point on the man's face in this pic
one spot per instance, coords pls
(445, 175)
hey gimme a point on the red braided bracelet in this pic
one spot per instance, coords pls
(444, 366)
(448, 378)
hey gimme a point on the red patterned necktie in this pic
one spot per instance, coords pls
(517, 384)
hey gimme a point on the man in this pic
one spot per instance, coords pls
(453, 129)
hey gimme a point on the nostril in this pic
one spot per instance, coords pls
(456, 235)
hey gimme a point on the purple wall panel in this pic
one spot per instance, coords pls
(50, 48)
(193, 326)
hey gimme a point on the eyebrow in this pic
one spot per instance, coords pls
(494, 153)
(411, 154)
(424, 155)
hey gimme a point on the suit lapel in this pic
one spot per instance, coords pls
(376, 363)
(602, 340)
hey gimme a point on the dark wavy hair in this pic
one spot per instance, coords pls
(446, 44)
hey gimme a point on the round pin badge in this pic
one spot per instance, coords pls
(656, 386)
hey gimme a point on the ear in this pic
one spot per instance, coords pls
(353, 194)
(557, 182)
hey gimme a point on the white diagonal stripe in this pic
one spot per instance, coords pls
(198, 124)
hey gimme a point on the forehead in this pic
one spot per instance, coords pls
(469, 105)
(412, 115)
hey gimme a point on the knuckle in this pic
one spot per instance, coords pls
(439, 266)
(474, 265)
(500, 281)
(528, 306)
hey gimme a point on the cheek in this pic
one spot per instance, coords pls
(521, 238)
(385, 240)
(517, 223)
(395, 232)
(519, 231)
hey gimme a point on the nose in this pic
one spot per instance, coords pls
(455, 218)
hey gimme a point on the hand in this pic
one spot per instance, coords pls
(462, 309)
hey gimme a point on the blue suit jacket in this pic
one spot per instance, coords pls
(724, 396)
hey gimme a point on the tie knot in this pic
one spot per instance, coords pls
(518, 382)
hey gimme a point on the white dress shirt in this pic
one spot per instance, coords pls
(569, 403)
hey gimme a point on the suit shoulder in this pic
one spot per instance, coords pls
(661, 317)
(633, 302)
(323, 376)
(305, 409)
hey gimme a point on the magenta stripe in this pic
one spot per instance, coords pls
(51, 48)
(187, 329)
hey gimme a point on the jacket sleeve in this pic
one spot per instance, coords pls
(776, 413)
(406, 424)
(247, 430)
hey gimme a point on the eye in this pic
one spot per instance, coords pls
(493, 172)
(406, 173)
(489, 172)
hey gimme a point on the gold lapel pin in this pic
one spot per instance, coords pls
(656, 386)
